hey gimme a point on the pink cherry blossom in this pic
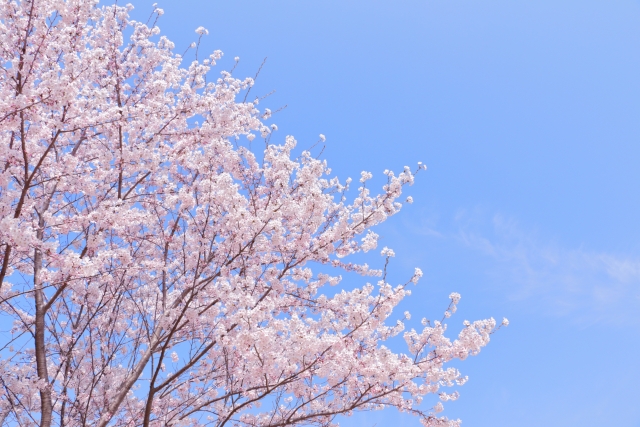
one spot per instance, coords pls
(161, 272)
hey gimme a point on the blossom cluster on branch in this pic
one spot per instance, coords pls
(157, 269)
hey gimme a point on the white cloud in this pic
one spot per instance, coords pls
(589, 286)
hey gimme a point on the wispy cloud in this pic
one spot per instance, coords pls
(588, 285)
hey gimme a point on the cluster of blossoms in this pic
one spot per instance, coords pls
(161, 272)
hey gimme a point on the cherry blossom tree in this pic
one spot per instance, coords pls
(160, 269)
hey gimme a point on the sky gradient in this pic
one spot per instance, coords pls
(526, 114)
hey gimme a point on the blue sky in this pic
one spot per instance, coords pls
(526, 113)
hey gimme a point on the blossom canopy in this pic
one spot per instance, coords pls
(158, 269)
